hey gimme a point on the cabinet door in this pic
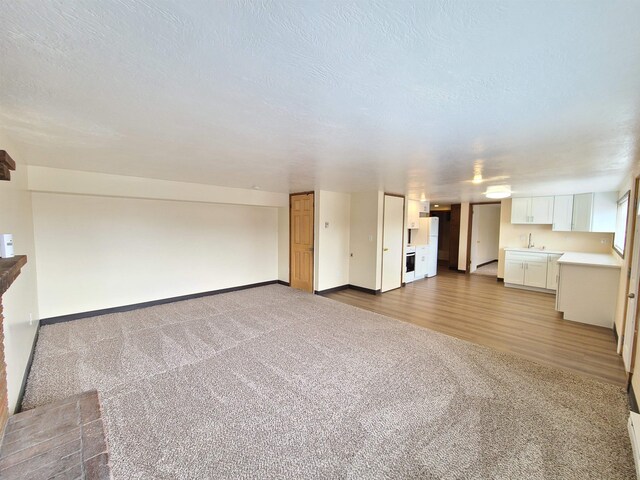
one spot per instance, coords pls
(542, 210)
(582, 212)
(562, 213)
(535, 274)
(421, 261)
(514, 271)
(552, 271)
(413, 214)
(605, 210)
(520, 210)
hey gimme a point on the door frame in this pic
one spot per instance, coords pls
(404, 247)
(467, 265)
(629, 247)
(313, 238)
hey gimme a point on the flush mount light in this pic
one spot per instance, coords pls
(436, 205)
(423, 198)
(498, 191)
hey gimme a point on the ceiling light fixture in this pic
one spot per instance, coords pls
(423, 198)
(477, 178)
(436, 205)
(498, 191)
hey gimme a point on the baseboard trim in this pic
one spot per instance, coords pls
(27, 371)
(501, 280)
(615, 333)
(633, 402)
(365, 290)
(486, 263)
(282, 282)
(331, 290)
(152, 303)
(461, 271)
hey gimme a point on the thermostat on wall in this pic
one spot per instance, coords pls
(6, 245)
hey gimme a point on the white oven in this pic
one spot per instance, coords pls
(410, 264)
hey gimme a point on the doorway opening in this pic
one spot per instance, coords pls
(448, 234)
(483, 239)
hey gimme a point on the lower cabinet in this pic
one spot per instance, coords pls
(421, 261)
(531, 269)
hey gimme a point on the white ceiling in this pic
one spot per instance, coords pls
(347, 96)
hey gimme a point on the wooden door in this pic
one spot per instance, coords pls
(301, 240)
(392, 240)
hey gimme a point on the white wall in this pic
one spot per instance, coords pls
(283, 244)
(485, 235)
(21, 300)
(365, 265)
(332, 241)
(464, 232)
(100, 252)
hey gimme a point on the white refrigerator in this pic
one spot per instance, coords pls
(432, 246)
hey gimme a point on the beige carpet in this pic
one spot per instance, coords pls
(275, 383)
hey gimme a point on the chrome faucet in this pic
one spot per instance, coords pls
(530, 244)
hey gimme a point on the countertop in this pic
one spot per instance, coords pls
(532, 250)
(607, 260)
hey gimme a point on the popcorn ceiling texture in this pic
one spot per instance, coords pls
(338, 95)
(276, 383)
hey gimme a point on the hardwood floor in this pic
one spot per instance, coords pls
(481, 310)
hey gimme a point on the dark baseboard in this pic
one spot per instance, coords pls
(486, 263)
(615, 333)
(365, 290)
(404, 284)
(633, 402)
(153, 303)
(331, 290)
(461, 271)
(27, 370)
(500, 279)
(282, 282)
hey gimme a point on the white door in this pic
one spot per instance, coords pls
(520, 210)
(514, 272)
(542, 210)
(392, 239)
(630, 322)
(582, 209)
(535, 274)
(562, 213)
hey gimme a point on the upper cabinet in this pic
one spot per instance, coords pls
(586, 212)
(562, 213)
(538, 210)
(595, 212)
(413, 214)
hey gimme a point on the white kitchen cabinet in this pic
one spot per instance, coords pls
(532, 210)
(553, 271)
(520, 208)
(421, 261)
(513, 271)
(595, 212)
(562, 213)
(525, 268)
(413, 214)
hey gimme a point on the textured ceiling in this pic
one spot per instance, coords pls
(348, 96)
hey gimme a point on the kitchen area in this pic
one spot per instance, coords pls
(563, 245)
(421, 251)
